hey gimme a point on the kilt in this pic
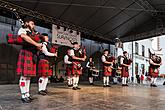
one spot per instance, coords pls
(44, 68)
(124, 72)
(89, 72)
(69, 70)
(75, 69)
(153, 72)
(25, 65)
(107, 71)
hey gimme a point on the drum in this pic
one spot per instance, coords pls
(95, 72)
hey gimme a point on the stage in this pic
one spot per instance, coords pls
(60, 97)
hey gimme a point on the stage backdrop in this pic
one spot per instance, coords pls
(61, 37)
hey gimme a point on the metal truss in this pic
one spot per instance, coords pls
(144, 35)
(49, 19)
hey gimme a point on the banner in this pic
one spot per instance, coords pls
(64, 37)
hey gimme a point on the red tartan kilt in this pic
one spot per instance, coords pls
(68, 71)
(25, 65)
(124, 72)
(106, 72)
(76, 70)
(153, 73)
(44, 68)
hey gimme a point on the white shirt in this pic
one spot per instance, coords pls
(72, 52)
(45, 50)
(66, 60)
(103, 58)
(23, 31)
(121, 60)
(88, 64)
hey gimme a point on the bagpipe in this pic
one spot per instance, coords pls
(110, 58)
(82, 54)
(157, 60)
(128, 61)
(17, 39)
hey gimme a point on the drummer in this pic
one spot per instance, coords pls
(90, 66)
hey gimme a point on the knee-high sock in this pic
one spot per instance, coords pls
(22, 85)
(104, 80)
(40, 83)
(90, 79)
(154, 80)
(45, 83)
(107, 80)
(74, 81)
(123, 80)
(69, 80)
(77, 80)
(27, 87)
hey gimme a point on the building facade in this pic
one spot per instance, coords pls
(139, 51)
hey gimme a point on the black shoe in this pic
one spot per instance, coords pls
(104, 86)
(70, 85)
(154, 85)
(41, 93)
(91, 83)
(126, 84)
(31, 98)
(25, 100)
(74, 88)
(46, 91)
(108, 86)
(123, 84)
(78, 88)
(151, 85)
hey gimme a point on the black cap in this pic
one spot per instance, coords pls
(44, 34)
(28, 18)
(106, 50)
(74, 43)
(124, 52)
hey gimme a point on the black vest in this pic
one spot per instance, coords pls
(91, 64)
(77, 54)
(43, 56)
(107, 59)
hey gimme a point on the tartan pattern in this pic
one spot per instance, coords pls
(68, 70)
(106, 72)
(75, 69)
(14, 39)
(25, 65)
(153, 72)
(124, 72)
(17, 39)
(44, 68)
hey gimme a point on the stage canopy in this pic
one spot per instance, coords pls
(126, 19)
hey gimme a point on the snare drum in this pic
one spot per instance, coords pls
(95, 72)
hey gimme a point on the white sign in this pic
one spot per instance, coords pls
(61, 37)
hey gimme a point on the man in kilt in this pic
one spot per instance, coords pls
(44, 67)
(76, 54)
(154, 69)
(124, 63)
(26, 65)
(107, 68)
(68, 62)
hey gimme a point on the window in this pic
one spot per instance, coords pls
(142, 68)
(143, 50)
(136, 68)
(136, 48)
